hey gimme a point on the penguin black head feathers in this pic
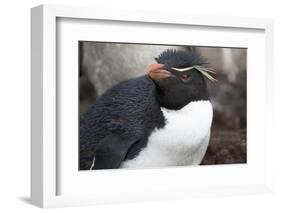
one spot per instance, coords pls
(180, 59)
(180, 78)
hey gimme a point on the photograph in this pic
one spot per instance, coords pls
(153, 106)
(146, 105)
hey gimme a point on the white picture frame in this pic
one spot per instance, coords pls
(45, 178)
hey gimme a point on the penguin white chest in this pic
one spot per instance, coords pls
(182, 141)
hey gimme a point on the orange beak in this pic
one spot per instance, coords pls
(156, 72)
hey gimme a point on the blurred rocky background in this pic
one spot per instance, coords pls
(102, 65)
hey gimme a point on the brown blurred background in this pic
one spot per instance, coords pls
(102, 65)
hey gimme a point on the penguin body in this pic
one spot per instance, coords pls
(117, 126)
(182, 141)
(160, 119)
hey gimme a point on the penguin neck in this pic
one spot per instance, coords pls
(177, 100)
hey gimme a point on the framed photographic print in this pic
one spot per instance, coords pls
(130, 106)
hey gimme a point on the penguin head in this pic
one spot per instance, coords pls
(178, 78)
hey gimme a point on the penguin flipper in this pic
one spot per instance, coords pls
(111, 151)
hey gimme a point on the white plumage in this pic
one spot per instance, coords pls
(183, 140)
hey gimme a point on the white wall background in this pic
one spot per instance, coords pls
(15, 104)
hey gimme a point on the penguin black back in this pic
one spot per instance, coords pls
(129, 110)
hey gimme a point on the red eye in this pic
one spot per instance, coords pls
(184, 77)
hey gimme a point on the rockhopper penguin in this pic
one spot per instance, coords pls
(160, 119)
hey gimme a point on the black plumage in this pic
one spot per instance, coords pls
(180, 59)
(125, 115)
